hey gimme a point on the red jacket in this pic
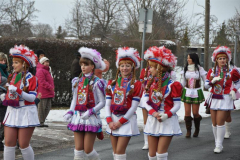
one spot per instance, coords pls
(45, 81)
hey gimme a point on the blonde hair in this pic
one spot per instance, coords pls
(160, 70)
(216, 65)
(118, 71)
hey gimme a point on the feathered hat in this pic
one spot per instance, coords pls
(222, 50)
(127, 53)
(94, 56)
(25, 54)
(161, 55)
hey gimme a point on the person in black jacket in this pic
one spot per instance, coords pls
(75, 67)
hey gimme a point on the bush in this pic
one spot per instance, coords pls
(61, 55)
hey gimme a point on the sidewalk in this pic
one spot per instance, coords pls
(46, 139)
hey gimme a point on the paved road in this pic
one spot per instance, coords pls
(200, 148)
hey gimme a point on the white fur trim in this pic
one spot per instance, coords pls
(128, 53)
(222, 49)
(27, 54)
(94, 56)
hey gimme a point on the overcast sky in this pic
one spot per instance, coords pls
(54, 12)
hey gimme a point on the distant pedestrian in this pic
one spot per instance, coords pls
(122, 99)
(46, 88)
(88, 99)
(192, 94)
(3, 81)
(21, 117)
(41, 53)
(162, 100)
(220, 101)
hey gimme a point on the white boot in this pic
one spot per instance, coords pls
(220, 138)
(79, 155)
(227, 133)
(114, 156)
(9, 153)
(145, 147)
(152, 158)
(162, 156)
(27, 153)
(120, 156)
(214, 128)
(93, 155)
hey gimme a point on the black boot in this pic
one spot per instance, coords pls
(1, 146)
(197, 126)
(188, 122)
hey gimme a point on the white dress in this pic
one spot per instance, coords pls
(93, 123)
(25, 115)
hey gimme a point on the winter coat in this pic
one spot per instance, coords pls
(3, 81)
(45, 81)
(75, 68)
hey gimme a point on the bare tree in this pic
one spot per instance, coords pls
(76, 24)
(233, 25)
(20, 13)
(168, 20)
(104, 16)
(42, 30)
(2, 13)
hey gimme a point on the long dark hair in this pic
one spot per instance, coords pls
(195, 60)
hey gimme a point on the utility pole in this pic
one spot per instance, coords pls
(206, 41)
(237, 33)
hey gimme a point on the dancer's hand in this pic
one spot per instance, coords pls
(111, 126)
(117, 124)
(86, 115)
(215, 79)
(2, 97)
(68, 116)
(12, 89)
(156, 115)
(162, 117)
(233, 94)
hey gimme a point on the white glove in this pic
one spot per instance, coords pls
(68, 116)
(86, 115)
(2, 97)
(215, 79)
(163, 116)
(233, 94)
(12, 89)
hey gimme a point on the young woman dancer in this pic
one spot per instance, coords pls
(88, 98)
(192, 94)
(163, 100)
(220, 78)
(21, 117)
(144, 76)
(122, 99)
(229, 118)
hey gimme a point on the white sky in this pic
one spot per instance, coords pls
(54, 12)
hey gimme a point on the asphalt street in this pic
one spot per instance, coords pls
(181, 148)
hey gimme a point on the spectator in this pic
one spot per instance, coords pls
(3, 81)
(46, 88)
(75, 67)
(40, 54)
